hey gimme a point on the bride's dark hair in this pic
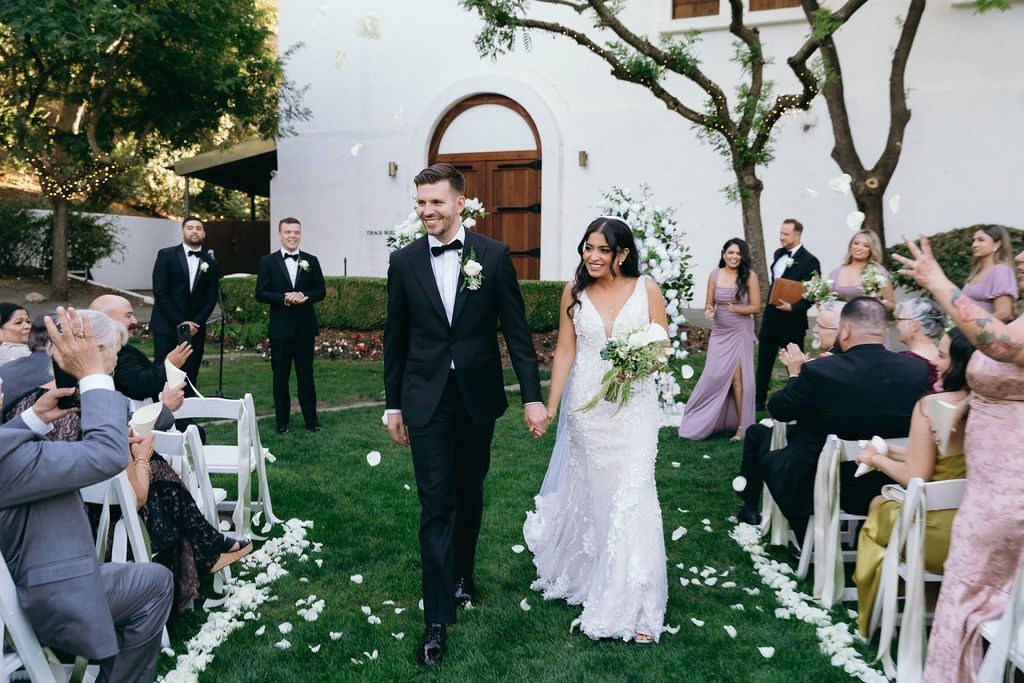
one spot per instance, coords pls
(743, 271)
(618, 235)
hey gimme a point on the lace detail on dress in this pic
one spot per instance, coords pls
(598, 540)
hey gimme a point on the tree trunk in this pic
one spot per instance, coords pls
(753, 231)
(869, 202)
(59, 265)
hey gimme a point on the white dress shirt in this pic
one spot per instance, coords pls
(87, 383)
(193, 265)
(446, 270)
(780, 266)
(292, 265)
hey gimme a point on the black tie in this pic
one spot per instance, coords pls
(294, 256)
(454, 244)
(193, 253)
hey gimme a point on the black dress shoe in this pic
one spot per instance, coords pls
(283, 429)
(745, 516)
(431, 650)
(315, 427)
(464, 591)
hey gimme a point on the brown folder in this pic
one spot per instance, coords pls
(789, 291)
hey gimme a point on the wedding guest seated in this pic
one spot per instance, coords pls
(920, 324)
(30, 372)
(856, 394)
(920, 458)
(825, 334)
(14, 327)
(113, 613)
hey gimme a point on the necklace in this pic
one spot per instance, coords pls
(602, 301)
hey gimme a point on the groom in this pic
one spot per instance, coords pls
(443, 381)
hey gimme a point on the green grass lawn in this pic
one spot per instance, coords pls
(367, 520)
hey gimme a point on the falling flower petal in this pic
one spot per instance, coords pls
(322, 12)
(285, 627)
(398, 636)
(675, 464)
(525, 606)
(739, 484)
(373, 458)
(335, 635)
(356, 578)
(366, 609)
(518, 549)
(730, 630)
(282, 644)
(339, 63)
(696, 622)
(314, 648)
(686, 371)
(355, 149)
(369, 26)
(894, 203)
(841, 184)
(401, 110)
(854, 220)
(766, 652)
(678, 533)
(812, 193)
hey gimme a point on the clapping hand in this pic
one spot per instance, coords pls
(793, 358)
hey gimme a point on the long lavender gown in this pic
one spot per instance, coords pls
(845, 293)
(711, 407)
(1000, 281)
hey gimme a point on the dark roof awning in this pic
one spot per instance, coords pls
(246, 166)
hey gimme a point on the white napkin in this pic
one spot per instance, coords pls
(880, 445)
(145, 417)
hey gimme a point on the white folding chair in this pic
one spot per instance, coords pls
(907, 540)
(184, 455)
(773, 523)
(39, 662)
(1006, 639)
(240, 459)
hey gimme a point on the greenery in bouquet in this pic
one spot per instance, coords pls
(634, 355)
(873, 280)
(664, 257)
(818, 289)
(411, 229)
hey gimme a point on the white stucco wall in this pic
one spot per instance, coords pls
(142, 238)
(961, 164)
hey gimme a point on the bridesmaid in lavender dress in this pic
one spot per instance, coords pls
(864, 250)
(723, 399)
(991, 282)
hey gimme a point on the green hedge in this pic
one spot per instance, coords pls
(952, 250)
(360, 303)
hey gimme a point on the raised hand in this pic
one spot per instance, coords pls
(793, 358)
(179, 354)
(73, 347)
(922, 265)
(173, 397)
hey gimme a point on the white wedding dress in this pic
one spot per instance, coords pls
(598, 540)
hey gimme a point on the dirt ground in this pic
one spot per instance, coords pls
(80, 295)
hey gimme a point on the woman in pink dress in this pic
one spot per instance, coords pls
(987, 542)
(723, 399)
(991, 282)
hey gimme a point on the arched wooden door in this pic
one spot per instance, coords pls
(494, 142)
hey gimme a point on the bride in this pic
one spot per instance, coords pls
(597, 540)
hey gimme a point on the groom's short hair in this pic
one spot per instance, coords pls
(436, 173)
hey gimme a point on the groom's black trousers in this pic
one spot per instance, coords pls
(451, 456)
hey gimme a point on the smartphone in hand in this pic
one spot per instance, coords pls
(184, 333)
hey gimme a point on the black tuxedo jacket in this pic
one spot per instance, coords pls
(173, 302)
(136, 376)
(289, 321)
(857, 394)
(420, 345)
(791, 323)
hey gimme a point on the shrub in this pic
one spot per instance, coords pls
(361, 303)
(27, 236)
(952, 250)
(22, 232)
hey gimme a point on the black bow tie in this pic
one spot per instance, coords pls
(454, 244)
(294, 256)
(197, 254)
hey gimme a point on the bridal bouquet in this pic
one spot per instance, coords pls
(818, 289)
(873, 281)
(634, 355)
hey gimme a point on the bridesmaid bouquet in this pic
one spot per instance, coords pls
(634, 355)
(818, 289)
(873, 281)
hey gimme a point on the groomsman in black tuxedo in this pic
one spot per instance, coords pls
(185, 282)
(291, 282)
(443, 382)
(783, 324)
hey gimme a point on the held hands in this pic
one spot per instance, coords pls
(73, 347)
(537, 419)
(173, 397)
(46, 408)
(396, 427)
(179, 354)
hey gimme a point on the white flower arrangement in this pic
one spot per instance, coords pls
(203, 266)
(411, 229)
(818, 289)
(471, 271)
(303, 264)
(666, 259)
(873, 281)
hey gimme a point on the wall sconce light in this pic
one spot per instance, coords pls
(392, 169)
(583, 158)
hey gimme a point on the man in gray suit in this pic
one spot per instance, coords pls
(113, 613)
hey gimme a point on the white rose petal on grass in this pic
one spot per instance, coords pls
(684, 581)
(421, 604)
(398, 636)
(356, 578)
(678, 533)
(710, 581)
(399, 610)
(373, 619)
(739, 484)
(319, 562)
(525, 606)
(675, 464)
(708, 529)
(671, 629)
(388, 602)
(373, 458)
(752, 591)
(518, 549)
(266, 527)
(355, 661)
(729, 584)
(282, 644)
(261, 630)
(314, 648)
(731, 630)
(366, 609)
(766, 652)
(407, 487)
(737, 606)
(335, 635)
(696, 622)
(285, 627)
(686, 371)
(705, 457)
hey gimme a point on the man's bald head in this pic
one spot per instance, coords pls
(117, 308)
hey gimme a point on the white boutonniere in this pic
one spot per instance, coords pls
(472, 271)
(303, 264)
(203, 266)
(790, 262)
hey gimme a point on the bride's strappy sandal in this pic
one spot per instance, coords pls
(643, 639)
